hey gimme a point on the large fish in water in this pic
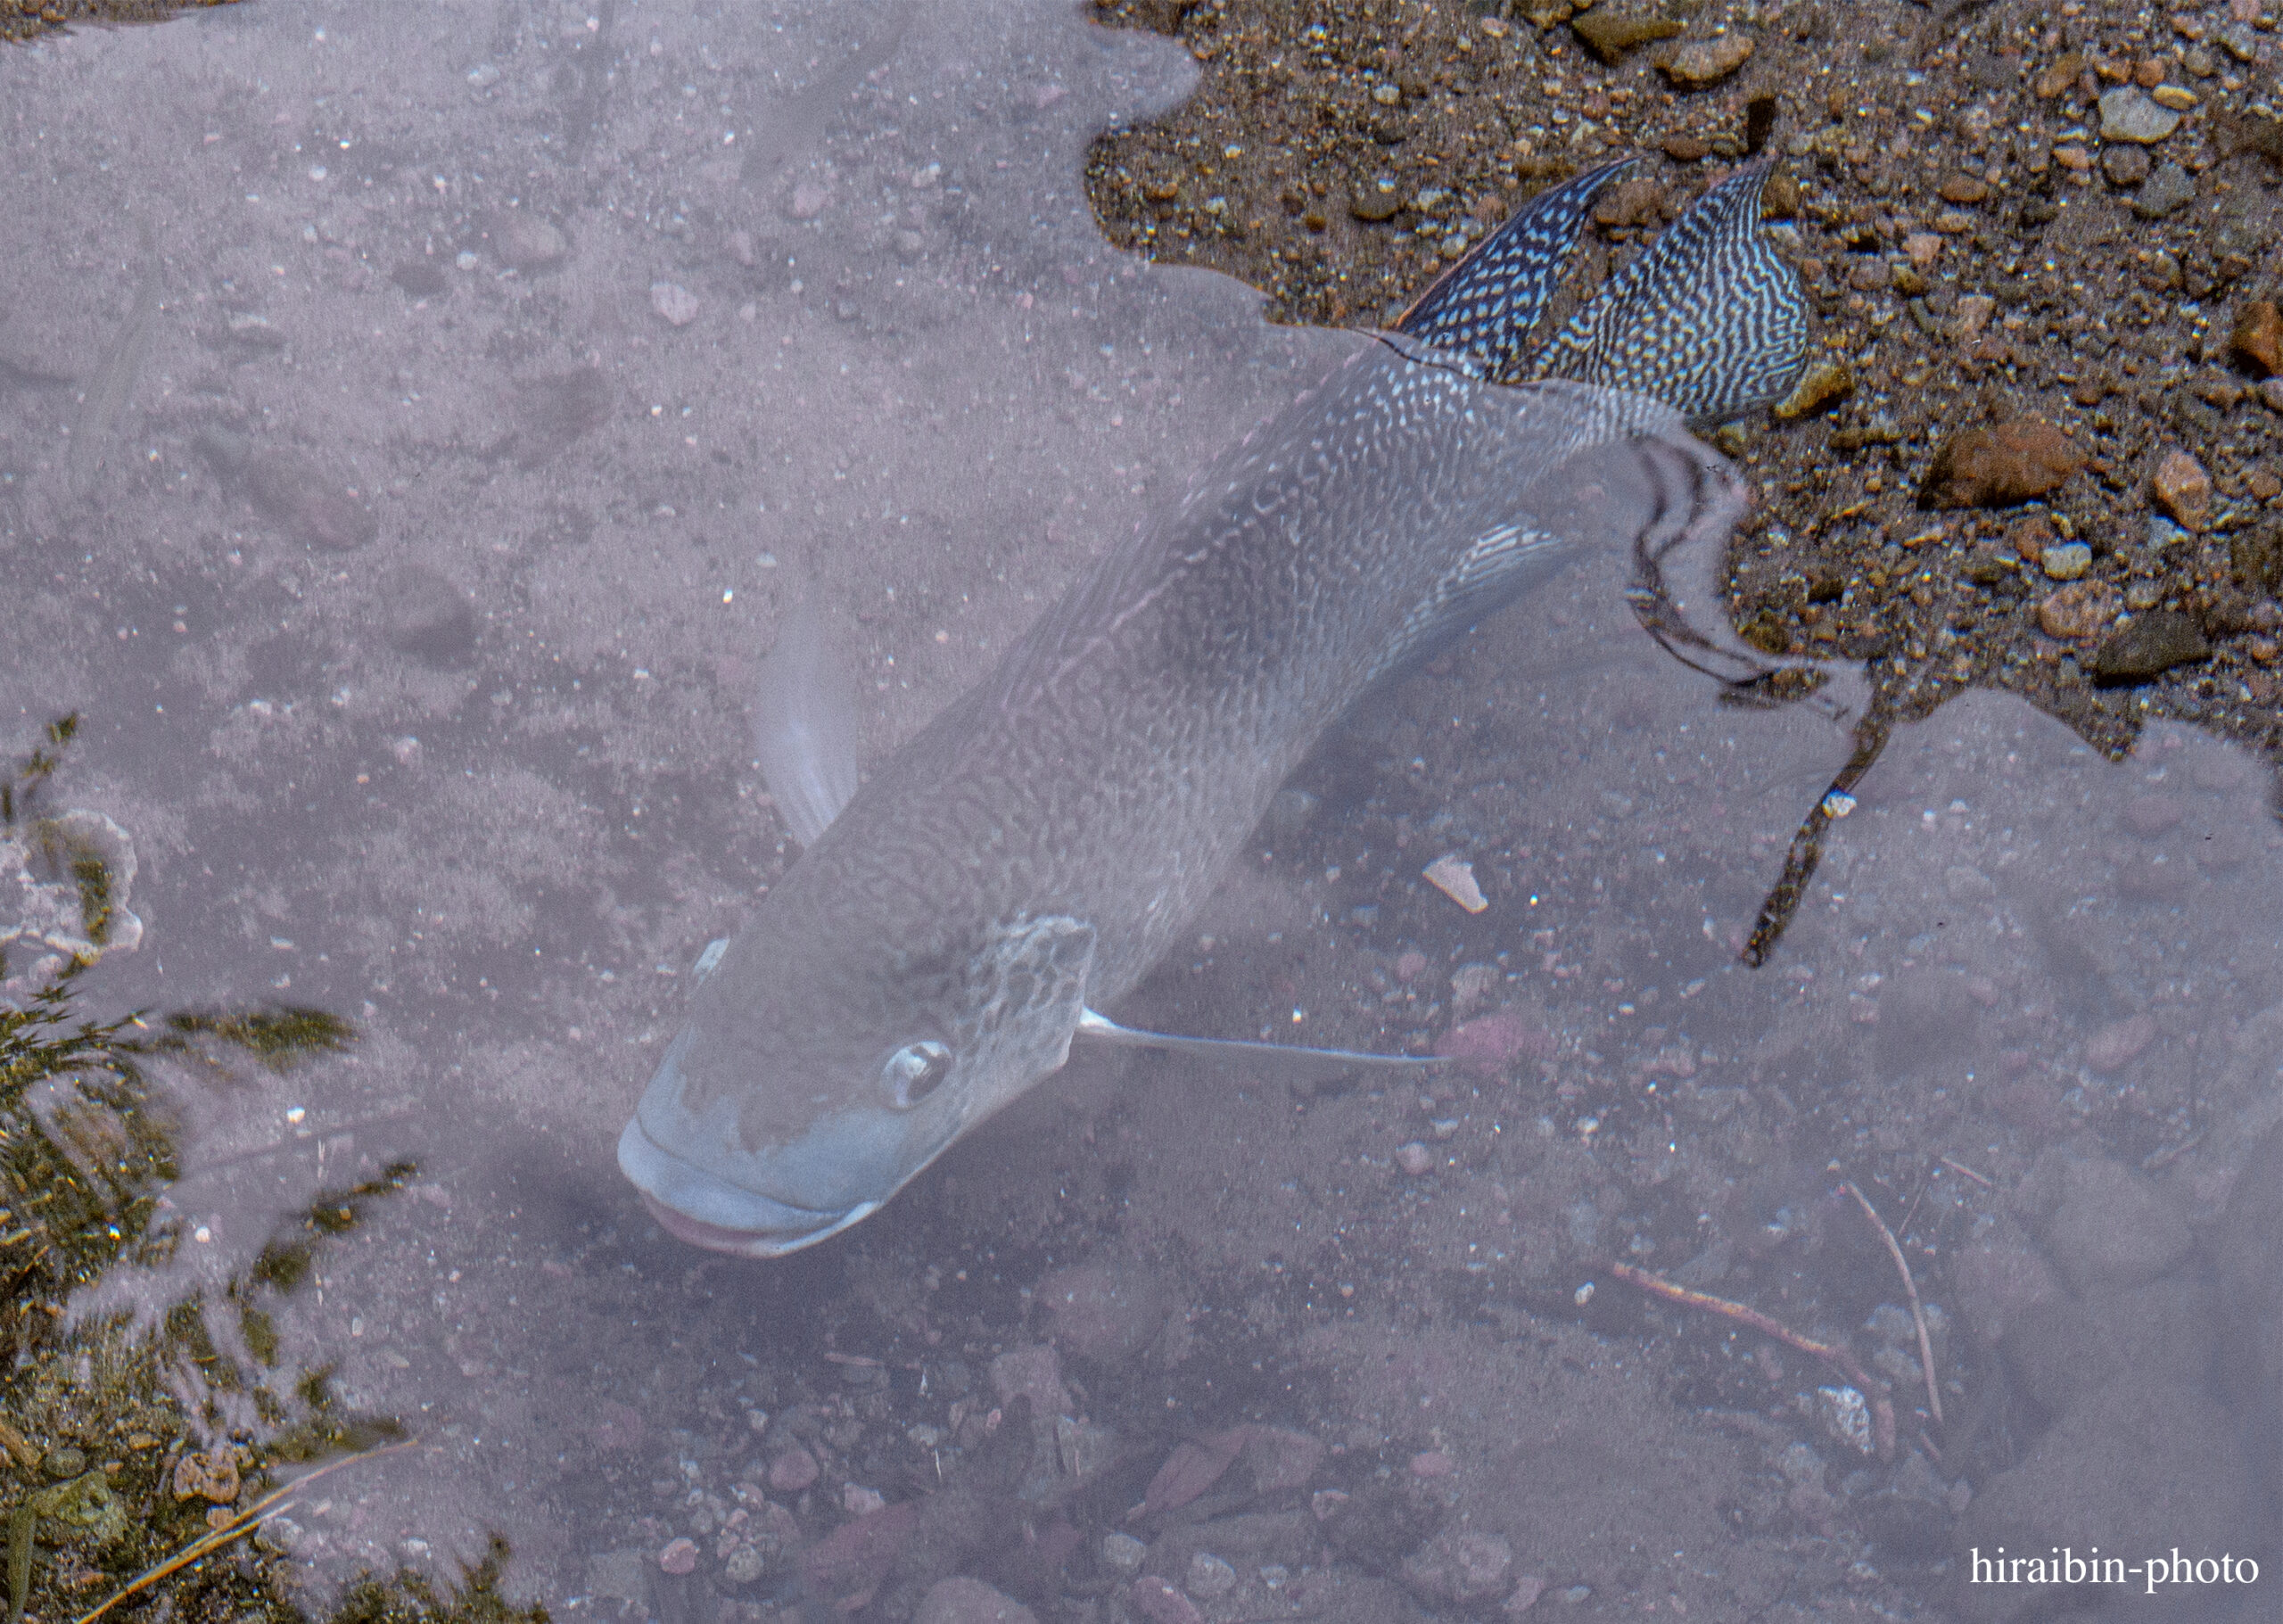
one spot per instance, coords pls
(1026, 859)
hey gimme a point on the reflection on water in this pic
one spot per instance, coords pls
(489, 376)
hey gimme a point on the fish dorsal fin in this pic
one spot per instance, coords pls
(1485, 306)
(805, 726)
(1283, 1062)
(1708, 320)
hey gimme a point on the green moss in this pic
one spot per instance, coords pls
(79, 1182)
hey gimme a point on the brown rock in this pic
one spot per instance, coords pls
(310, 501)
(1612, 33)
(1998, 467)
(2258, 338)
(1158, 1601)
(793, 1471)
(1685, 149)
(2082, 609)
(2183, 490)
(1636, 201)
(1705, 62)
(2114, 1047)
(960, 1599)
(1779, 199)
(2029, 538)
(1824, 383)
(2151, 645)
(2058, 74)
(212, 1475)
(1962, 189)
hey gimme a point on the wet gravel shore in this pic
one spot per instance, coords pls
(2037, 447)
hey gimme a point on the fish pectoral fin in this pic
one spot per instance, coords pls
(1287, 1062)
(804, 727)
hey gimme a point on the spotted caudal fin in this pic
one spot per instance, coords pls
(1484, 307)
(1709, 320)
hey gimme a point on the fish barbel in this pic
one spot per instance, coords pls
(1028, 857)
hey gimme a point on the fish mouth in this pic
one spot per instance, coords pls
(694, 1207)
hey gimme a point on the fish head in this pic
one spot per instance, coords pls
(815, 1080)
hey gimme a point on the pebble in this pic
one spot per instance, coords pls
(1209, 1577)
(313, 503)
(2182, 489)
(673, 301)
(2058, 76)
(1706, 62)
(808, 200)
(2117, 1046)
(1463, 1568)
(2111, 1225)
(212, 1475)
(2000, 1282)
(2079, 610)
(960, 1599)
(1487, 1046)
(1454, 877)
(1972, 316)
(744, 1565)
(679, 1556)
(1123, 1551)
(1611, 34)
(2150, 645)
(1526, 1590)
(2168, 189)
(2125, 166)
(1376, 200)
(1103, 1309)
(427, 617)
(1962, 189)
(1922, 249)
(1998, 467)
(2257, 338)
(1033, 1372)
(2126, 114)
(2066, 560)
(525, 242)
(1415, 1158)
(1159, 1602)
(793, 1471)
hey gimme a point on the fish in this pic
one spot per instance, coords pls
(956, 924)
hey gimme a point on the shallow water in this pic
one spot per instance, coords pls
(514, 371)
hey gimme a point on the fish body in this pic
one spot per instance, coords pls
(1035, 850)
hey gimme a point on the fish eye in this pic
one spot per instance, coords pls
(914, 1071)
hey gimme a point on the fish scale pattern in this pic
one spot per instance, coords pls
(1485, 305)
(1709, 319)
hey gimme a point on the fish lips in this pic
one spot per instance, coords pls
(692, 1205)
(706, 1189)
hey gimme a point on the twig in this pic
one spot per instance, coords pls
(1917, 1315)
(1839, 1358)
(1981, 1179)
(245, 1523)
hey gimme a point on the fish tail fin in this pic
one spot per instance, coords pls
(1484, 307)
(1708, 320)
